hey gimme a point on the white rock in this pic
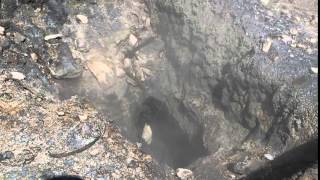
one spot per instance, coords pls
(133, 39)
(17, 75)
(148, 22)
(83, 117)
(267, 45)
(18, 38)
(34, 56)
(184, 174)
(232, 176)
(94, 151)
(314, 70)
(2, 30)
(82, 18)
(293, 31)
(269, 157)
(147, 134)
(265, 2)
(52, 36)
(60, 113)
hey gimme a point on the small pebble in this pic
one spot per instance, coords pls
(267, 45)
(82, 19)
(314, 70)
(265, 2)
(83, 117)
(94, 151)
(17, 75)
(184, 173)
(34, 57)
(60, 113)
(2, 30)
(269, 157)
(18, 38)
(293, 31)
(53, 36)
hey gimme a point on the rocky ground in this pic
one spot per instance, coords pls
(223, 87)
(43, 137)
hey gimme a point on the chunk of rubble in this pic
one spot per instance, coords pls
(17, 75)
(2, 30)
(82, 19)
(184, 174)
(314, 70)
(269, 157)
(267, 45)
(53, 36)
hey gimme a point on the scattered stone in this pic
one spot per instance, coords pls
(269, 157)
(53, 36)
(83, 117)
(314, 70)
(301, 46)
(94, 151)
(294, 45)
(133, 39)
(147, 134)
(184, 174)
(267, 45)
(297, 18)
(265, 2)
(34, 57)
(2, 30)
(18, 38)
(102, 70)
(148, 22)
(60, 113)
(82, 19)
(139, 145)
(293, 31)
(232, 176)
(17, 75)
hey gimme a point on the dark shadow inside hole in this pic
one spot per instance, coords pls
(170, 143)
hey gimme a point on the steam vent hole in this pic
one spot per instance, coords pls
(164, 139)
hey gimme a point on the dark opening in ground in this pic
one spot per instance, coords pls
(169, 143)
